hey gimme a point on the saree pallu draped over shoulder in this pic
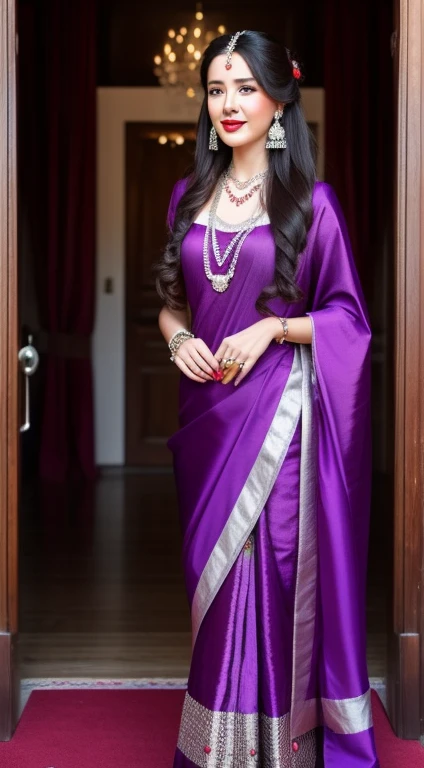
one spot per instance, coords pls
(273, 481)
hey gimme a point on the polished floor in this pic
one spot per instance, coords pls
(101, 587)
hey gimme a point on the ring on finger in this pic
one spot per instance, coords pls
(229, 362)
(230, 373)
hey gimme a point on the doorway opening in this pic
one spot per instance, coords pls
(101, 590)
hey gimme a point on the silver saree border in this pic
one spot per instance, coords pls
(214, 739)
(219, 739)
(253, 496)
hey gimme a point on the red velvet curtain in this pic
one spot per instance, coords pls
(359, 121)
(66, 267)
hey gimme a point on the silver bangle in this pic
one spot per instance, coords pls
(283, 321)
(180, 330)
(178, 338)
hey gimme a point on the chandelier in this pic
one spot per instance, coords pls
(178, 67)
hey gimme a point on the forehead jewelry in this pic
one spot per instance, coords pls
(230, 48)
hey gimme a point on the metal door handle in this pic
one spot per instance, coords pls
(28, 360)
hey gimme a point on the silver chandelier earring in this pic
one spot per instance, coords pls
(213, 140)
(276, 134)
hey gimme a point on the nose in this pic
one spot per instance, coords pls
(230, 104)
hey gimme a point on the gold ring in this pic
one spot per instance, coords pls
(229, 362)
(230, 373)
(241, 365)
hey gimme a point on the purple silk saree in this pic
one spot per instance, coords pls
(273, 480)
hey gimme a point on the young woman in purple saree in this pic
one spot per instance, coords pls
(272, 462)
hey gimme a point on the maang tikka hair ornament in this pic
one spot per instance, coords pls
(230, 48)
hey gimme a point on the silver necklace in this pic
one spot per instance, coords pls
(220, 283)
(239, 229)
(245, 184)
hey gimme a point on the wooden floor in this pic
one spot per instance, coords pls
(101, 587)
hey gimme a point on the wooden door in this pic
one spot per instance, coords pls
(406, 653)
(9, 376)
(151, 381)
(406, 673)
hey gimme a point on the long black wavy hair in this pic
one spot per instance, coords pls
(290, 181)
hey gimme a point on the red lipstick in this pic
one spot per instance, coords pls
(232, 125)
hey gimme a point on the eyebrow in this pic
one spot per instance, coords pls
(237, 80)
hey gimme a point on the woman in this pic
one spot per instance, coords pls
(272, 460)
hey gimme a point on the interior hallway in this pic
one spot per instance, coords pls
(101, 586)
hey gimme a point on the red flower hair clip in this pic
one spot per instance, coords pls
(296, 70)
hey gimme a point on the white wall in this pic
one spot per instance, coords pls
(115, 107)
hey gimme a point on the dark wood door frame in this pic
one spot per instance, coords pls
(406, 657)
(9, 382)
(406, 673)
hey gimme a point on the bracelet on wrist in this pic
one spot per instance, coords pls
(174, 335)
(178, 338)
(281, 339)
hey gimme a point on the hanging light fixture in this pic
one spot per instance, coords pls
(178, 66)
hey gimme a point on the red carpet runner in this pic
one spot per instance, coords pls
(132, 729)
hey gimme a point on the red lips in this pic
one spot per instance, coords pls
(232, 125)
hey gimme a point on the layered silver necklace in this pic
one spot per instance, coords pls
(244, 184)
(220, 283)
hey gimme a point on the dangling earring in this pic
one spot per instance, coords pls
(276, 134)
(213, 140)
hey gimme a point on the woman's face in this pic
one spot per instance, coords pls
(235, 96)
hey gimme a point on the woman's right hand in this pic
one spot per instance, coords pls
(195, 359)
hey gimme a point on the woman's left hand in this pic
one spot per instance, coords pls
(246, 347)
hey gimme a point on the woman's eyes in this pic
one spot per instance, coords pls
(248, 88)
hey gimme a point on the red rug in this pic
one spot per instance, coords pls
(133, 729)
